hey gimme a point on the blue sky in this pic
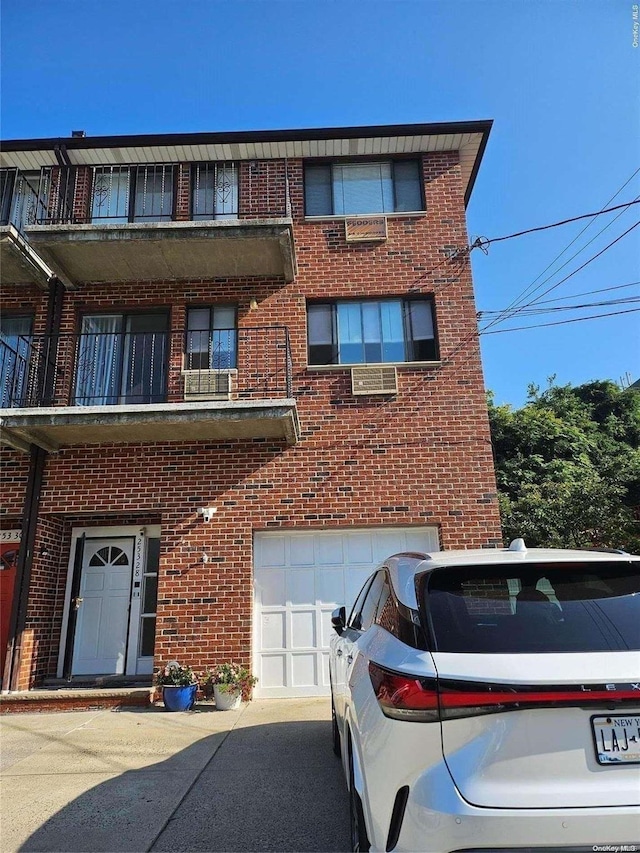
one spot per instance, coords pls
(560, 79)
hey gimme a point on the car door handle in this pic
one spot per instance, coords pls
(339, 653)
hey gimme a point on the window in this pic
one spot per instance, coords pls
(580, 607)
(132, 194)
(370, 604)
(15, 351)
(360, 188)
(211, 338)
(371, 331)
(122, 358)
(354, 618)
(214, 191)
(29, 204)
(7, 180)
(387, 612)
(149, 599)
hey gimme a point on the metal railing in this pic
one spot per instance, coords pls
(214, 191)
(132, 193)
(40, 197)
(58, 195)
(98, 368)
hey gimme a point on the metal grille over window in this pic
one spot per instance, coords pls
(132, 194)
(215, 191)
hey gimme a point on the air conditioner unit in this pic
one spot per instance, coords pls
(374, 380)
(207, 384)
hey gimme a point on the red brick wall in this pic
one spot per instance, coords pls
(14, 467)
(422, 457)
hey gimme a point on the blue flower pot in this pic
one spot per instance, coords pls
(179, 698)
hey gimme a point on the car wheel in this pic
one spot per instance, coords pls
(335, 732)
(359, 837)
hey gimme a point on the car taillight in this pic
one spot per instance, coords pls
(416, 698)
(422, 699)
(405, 697)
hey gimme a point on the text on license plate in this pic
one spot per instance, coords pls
(617, 739)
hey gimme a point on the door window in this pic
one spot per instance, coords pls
(122, 359)
(15, 350)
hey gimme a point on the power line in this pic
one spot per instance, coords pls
(593, 258)
(516, 304)
(531, 287)
(587, 293)
(560, 322)
(483, 242)
(534, 312)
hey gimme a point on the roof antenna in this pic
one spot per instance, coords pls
(518, 545)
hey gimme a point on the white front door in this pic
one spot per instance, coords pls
(299, 578)
(100, 643)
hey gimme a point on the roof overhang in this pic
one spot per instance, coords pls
(469, 138)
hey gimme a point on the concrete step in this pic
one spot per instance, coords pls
(75, 699)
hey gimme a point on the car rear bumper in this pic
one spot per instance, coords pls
(442, 822)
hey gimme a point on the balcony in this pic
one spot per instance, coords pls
(121, 385)
(19, 263)
(154, 222)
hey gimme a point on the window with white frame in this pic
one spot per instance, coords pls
(343, 189)
(371, 331)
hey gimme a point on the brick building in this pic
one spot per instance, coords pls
(238, 369)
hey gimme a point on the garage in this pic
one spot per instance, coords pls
(299, 578)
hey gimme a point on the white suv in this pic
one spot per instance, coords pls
(490, 700)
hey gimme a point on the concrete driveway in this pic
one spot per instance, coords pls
(260, 779)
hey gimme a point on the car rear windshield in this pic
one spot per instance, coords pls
(577, 607)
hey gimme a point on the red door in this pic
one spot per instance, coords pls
(8, 562)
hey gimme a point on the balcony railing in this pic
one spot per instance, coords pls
(103, 368)
(71, 195)
(36, 198)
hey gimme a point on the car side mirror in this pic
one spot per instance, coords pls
(339, 620)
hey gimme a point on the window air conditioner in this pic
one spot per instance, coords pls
(374, 380)
(207, 384)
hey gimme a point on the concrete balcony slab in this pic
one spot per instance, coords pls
(160, 251)
(19, 263)
(63, 426)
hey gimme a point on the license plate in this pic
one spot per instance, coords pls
(617, 738)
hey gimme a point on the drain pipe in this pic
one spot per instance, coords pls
(31, 505)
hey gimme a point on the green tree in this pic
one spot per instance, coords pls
(568, 466)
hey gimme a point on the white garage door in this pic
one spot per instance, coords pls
(299, 579)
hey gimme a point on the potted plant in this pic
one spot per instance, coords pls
(179, 686)
(231, 684)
